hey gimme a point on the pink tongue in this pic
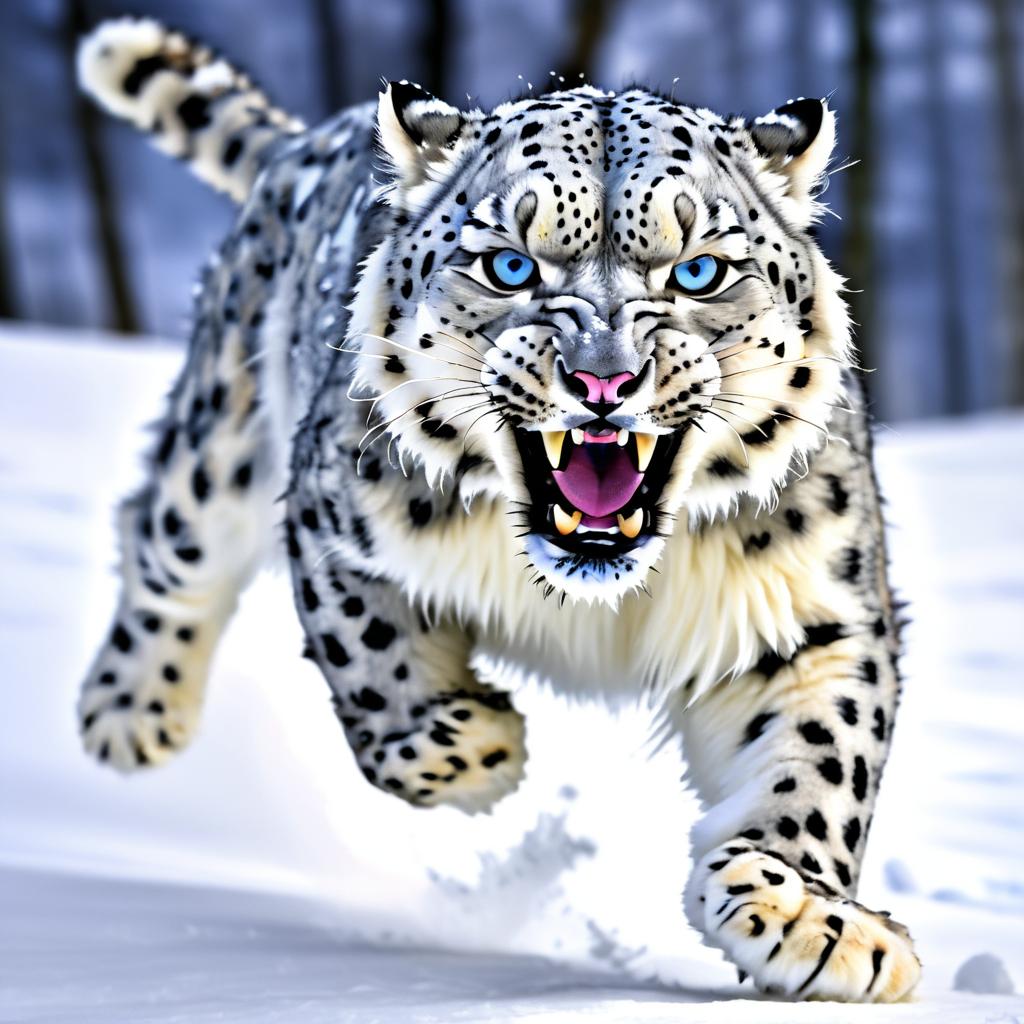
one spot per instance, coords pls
(594, 493)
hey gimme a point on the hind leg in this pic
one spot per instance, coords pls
(190, 540)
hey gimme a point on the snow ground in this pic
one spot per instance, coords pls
(259, 879)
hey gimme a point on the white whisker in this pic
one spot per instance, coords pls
(406, 383)
(484, 415)
(378, 355)
(468, 349)
(468, 408)
(730, 412)
(391, 341)
(412, 351)
(783, 362)
(385, 424)
(717, 414)
(798, 402)
(778, 412)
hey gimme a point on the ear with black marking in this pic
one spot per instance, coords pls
(416, 129)
(797, 140)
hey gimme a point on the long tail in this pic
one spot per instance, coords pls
(195, 105)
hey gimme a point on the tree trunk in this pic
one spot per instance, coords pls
(6, 289)
(332, 53)
(943, 135)
(858, 250)
(1009, 130)
(591, 18)
(436, 49)
(123, 314)
(802, 45)
(728, 25)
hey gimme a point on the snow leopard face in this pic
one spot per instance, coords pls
(609, 302)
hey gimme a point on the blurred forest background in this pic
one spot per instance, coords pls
(98, 230)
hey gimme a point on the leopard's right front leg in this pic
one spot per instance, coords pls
(420, 723)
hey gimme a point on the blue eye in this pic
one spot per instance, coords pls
(699, 275)
(510, 270)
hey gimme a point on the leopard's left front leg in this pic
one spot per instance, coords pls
(788, 758)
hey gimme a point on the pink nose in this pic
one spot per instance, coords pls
(603, 389)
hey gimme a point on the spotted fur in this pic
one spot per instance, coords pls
(351, 353)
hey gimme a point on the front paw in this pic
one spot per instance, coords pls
(801, 939)
(140, 702)
(465, 748)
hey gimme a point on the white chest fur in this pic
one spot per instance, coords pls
(710, 610)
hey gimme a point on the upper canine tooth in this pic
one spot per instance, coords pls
(553, 445)
(631, 526)
(577, 436)
(565, 523)
(622, 438)
(645, 445)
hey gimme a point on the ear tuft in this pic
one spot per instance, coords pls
(797, 140)
(416, 129)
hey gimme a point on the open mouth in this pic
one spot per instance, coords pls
(594, 490)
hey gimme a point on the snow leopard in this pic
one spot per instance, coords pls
(563, 390)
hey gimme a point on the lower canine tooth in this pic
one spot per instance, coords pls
(577, 436)
(553, 445)
(631, 526)
(622, 438)
(645, 445)
(565, 523)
